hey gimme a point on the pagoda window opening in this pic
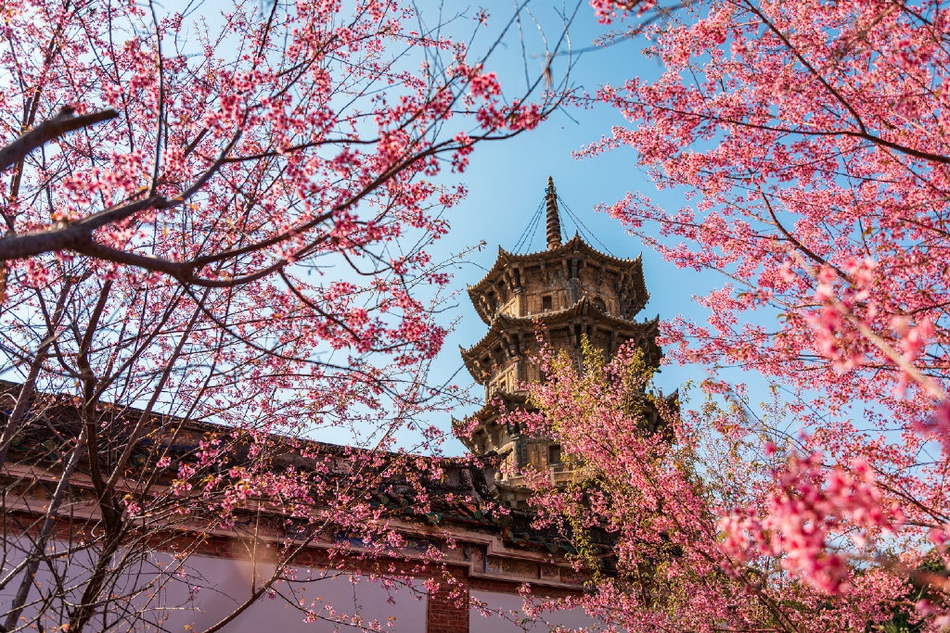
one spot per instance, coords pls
(554, 454)
(547, 303)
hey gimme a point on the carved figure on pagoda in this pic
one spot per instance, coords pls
(568, 292)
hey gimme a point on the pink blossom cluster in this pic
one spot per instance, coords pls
(485, 85)
(609, 10)
(809, 505)
(937, 425)
(835, 338)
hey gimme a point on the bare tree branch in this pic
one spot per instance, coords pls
(61, 124)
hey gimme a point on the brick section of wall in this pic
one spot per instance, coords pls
(447, 608)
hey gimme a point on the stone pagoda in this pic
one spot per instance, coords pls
(571, 290)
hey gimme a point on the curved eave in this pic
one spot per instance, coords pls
(576, 243)
(489, 410)
(495, 271)
(486, 281)
(583, 307)
(480, 310)
(488, 413)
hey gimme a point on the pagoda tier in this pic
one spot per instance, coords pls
(526, 285)
(498, 360)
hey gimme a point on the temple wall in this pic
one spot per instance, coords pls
(210, 587)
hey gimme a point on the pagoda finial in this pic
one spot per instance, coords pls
(554, 221)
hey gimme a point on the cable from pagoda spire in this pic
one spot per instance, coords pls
(585, 232)
(527, 237)
(554, 221)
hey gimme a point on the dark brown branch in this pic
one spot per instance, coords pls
(72, 235)
(63, 123)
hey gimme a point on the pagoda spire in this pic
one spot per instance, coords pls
(554, 221)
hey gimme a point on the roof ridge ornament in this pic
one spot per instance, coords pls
(553, 219)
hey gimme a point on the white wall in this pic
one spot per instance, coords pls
(172, 603)
(330, 594)
(511, 622)
(211, 588)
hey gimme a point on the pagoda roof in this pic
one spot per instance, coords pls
(509, 399)
(575, 244)
(583, 307)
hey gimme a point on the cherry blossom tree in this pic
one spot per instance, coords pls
(809, 139)
(215, 233)
(647, 509)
